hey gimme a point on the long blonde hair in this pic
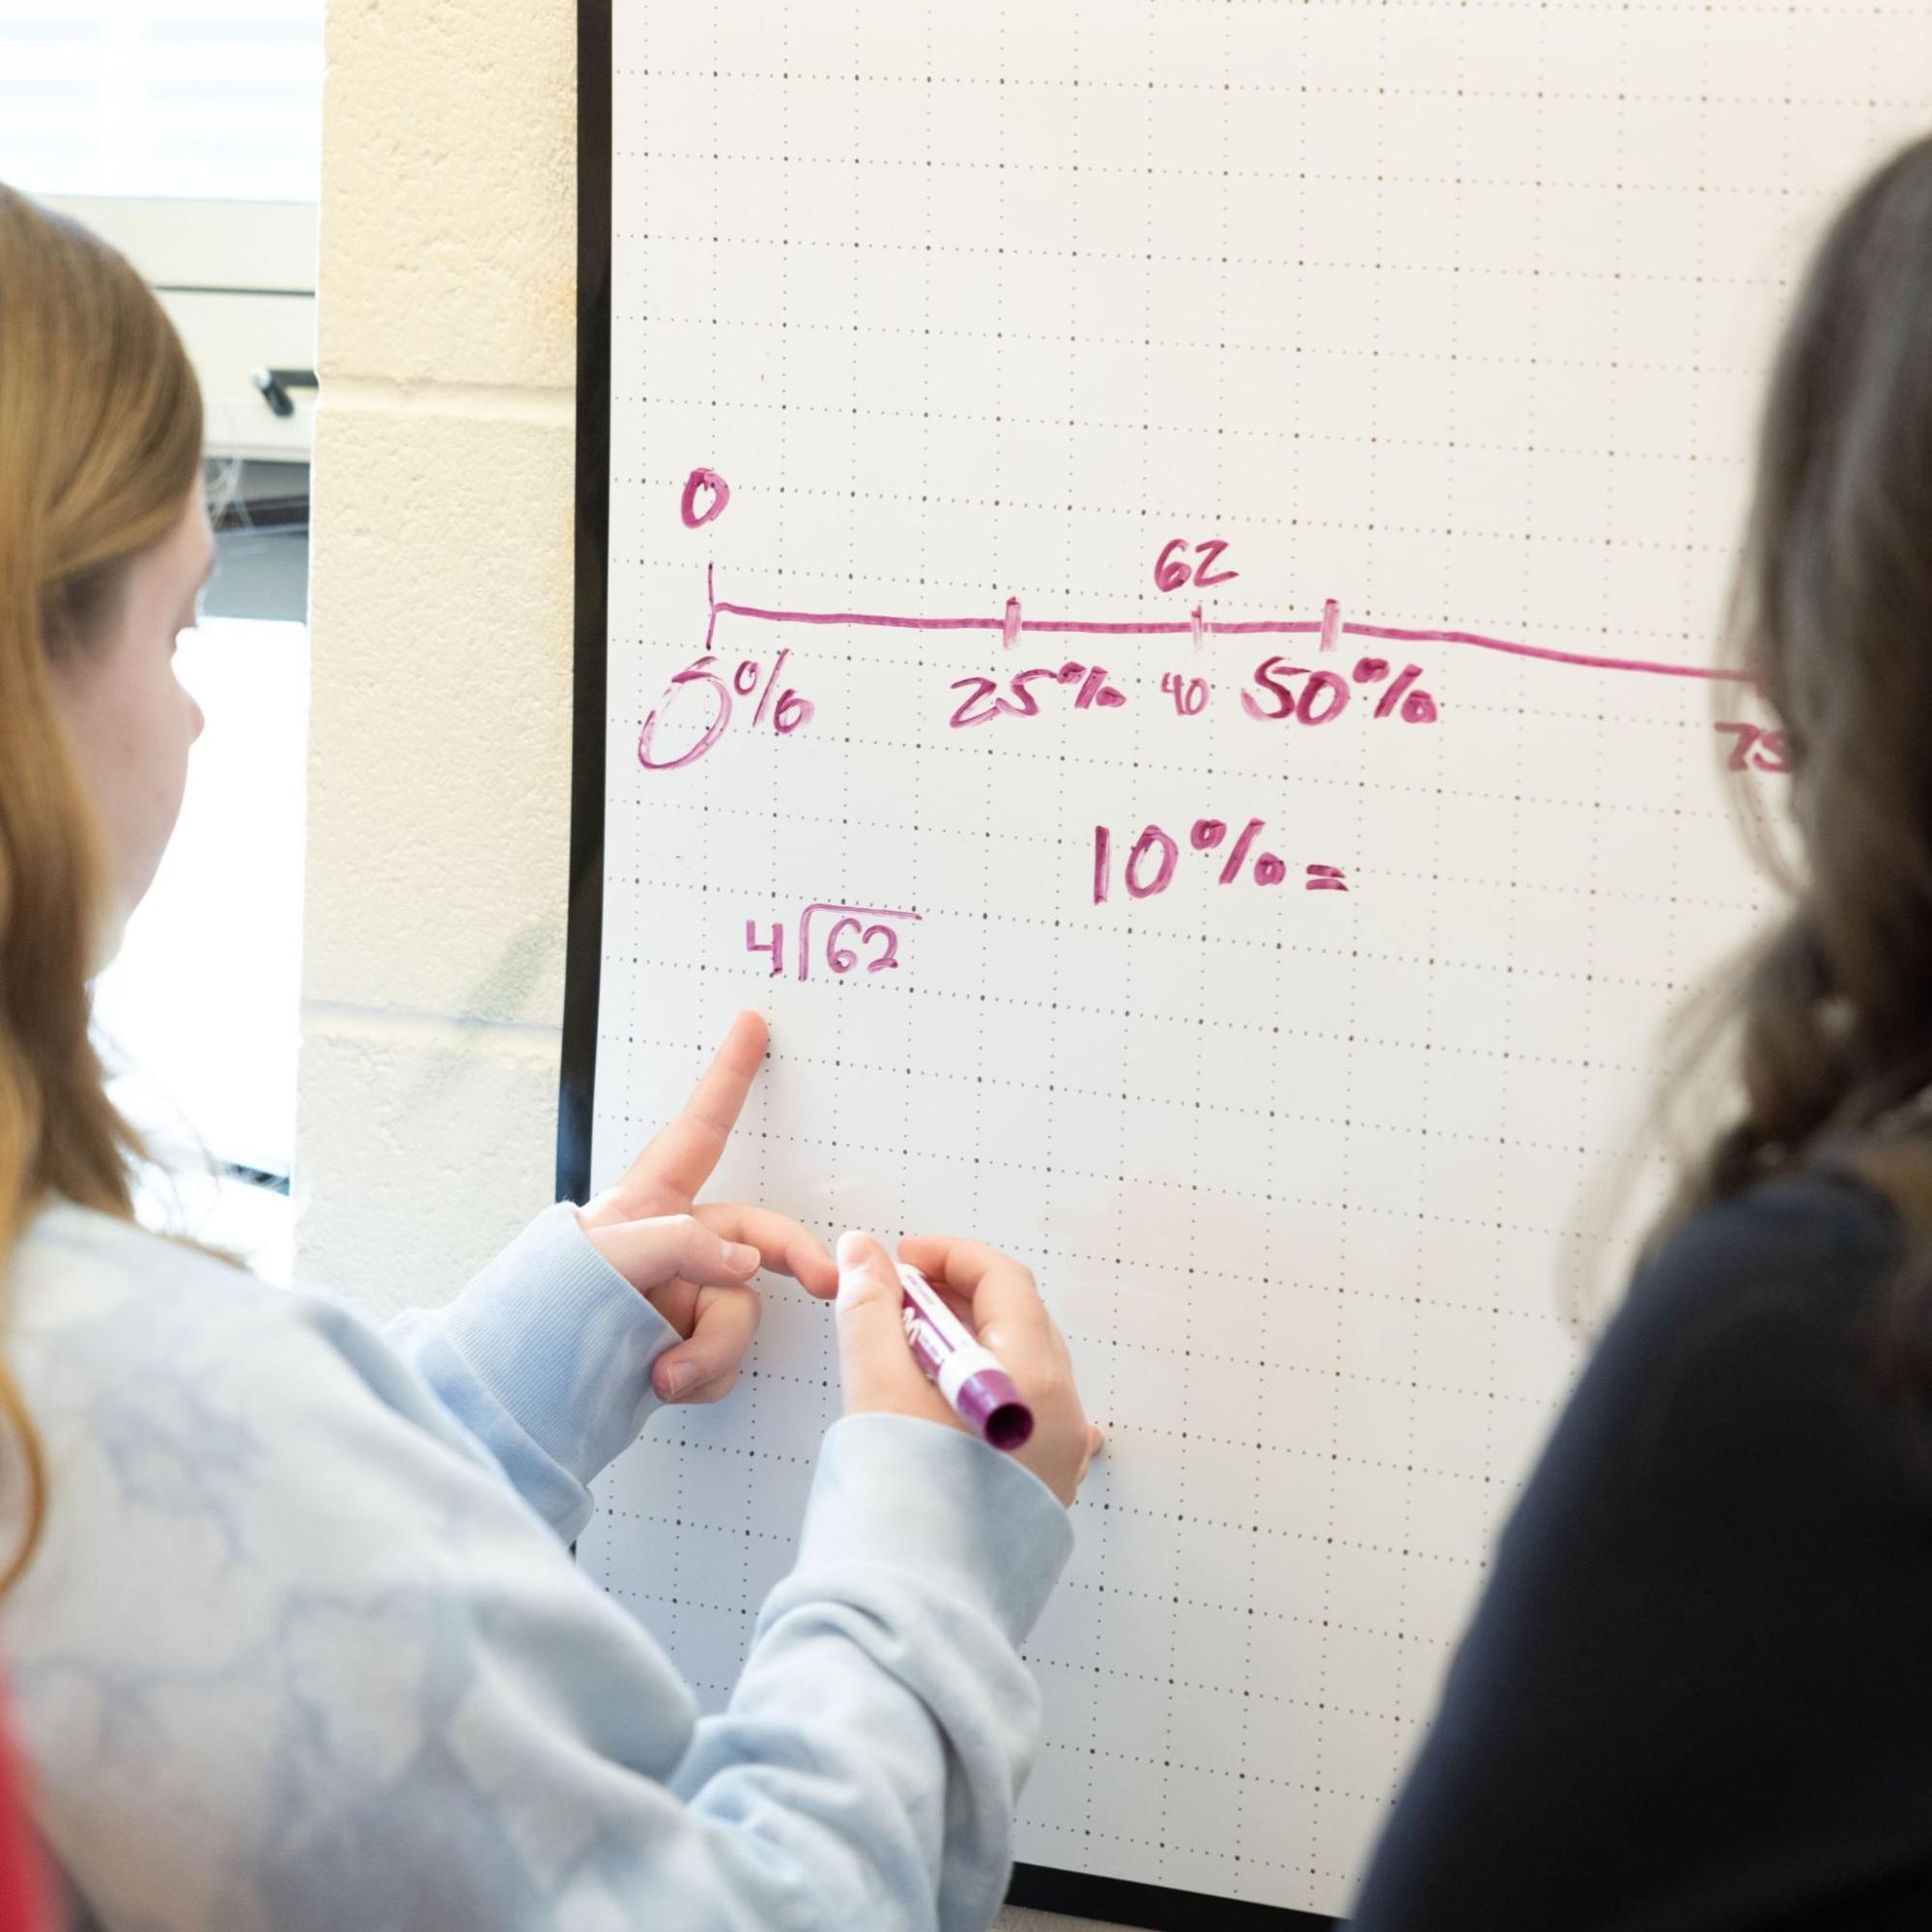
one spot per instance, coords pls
(99, 445)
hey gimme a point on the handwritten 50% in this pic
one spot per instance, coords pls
(1320, 701)
(786, 710)
(1153, 857)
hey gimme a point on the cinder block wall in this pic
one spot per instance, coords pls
(441, 599)
(441, 634)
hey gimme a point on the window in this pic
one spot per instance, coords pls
(188, 134)
(180, 100)
(198, 1014)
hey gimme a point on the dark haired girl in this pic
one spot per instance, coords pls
(1696, 1693)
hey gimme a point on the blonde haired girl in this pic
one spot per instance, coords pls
(296, 1633)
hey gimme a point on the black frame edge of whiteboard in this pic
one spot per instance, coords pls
(584, 945)
(1158, 1908)
(1045, 1888)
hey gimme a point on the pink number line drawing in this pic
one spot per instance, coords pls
(1010, 625)
(1331, 623)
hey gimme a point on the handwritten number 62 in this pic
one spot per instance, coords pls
(1172, 569)
(843, 959)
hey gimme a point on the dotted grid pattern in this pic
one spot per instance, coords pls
(1454, 313)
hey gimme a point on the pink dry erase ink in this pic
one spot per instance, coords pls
(976, 1389)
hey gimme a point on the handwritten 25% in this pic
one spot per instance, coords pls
(787, 709)
(982, 705)
(1155, 855)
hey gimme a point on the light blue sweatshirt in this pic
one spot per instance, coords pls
(303, 1646)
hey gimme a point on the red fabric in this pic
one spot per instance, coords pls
(24, 1890)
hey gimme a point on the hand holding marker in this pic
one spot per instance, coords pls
(981, 1393)
(880, 1364)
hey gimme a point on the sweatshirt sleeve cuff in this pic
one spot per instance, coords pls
(941, 1505)
(546, 1357)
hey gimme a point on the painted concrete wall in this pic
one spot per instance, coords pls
(441, 632)
(440, 594)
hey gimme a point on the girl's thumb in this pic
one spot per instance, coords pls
(876, 1362)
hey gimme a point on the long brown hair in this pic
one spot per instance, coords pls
(99, 446)
(1834, 1018)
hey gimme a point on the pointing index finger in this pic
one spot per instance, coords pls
(682, 1153)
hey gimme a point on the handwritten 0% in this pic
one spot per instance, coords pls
(786, 711)
(1153, 857)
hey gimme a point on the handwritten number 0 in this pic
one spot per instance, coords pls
(1153, 840)
(692, 674)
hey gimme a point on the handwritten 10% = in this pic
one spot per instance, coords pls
(1155, 855)
(787, 714)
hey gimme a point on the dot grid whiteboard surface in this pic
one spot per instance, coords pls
(1389, 367)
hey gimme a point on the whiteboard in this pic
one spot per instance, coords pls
(1162, 560)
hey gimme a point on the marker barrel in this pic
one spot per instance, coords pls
(979, 1392)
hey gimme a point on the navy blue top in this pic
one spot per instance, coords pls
(1698, 1690)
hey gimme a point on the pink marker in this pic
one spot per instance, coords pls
(978, 1390)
